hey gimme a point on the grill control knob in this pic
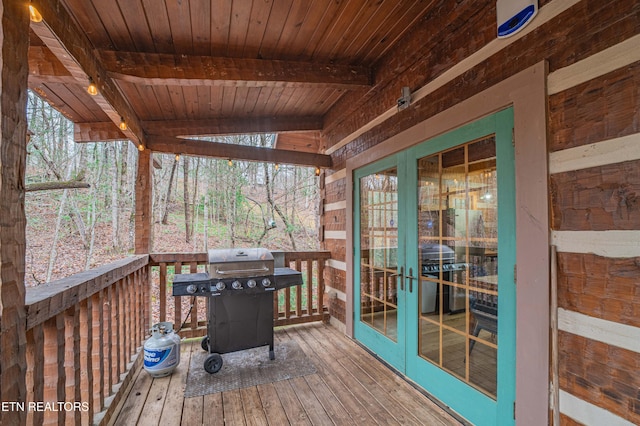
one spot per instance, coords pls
(220, 285)
(236, 285)
(251, 283)
(266, 282)
(192, 288)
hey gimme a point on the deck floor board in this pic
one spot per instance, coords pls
(350, 387)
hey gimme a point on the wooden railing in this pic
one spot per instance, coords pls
(82, 333)
(291, 306)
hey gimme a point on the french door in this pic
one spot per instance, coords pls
(434, 246)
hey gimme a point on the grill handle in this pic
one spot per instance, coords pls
(242, 271)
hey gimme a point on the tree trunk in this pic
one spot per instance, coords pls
(275, 207)
(115, 203)
(53, 253)
(187, 211)
(195, 203)
(167, 199)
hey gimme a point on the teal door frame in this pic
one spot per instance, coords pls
(469, 402)
(392, 352)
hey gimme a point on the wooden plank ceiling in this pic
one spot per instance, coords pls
(198, 67)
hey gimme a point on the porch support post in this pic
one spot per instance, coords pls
(144, 188)
(14, 69)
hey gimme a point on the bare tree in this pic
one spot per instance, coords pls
(187, 211)
(167, 199)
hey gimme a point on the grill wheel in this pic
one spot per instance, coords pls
(205, 343)
(213, 363)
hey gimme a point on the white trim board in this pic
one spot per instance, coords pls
(548, 12)
(622, 244)
(336, 264)
(338, 205)
(340, 174)
(612, 151)
(587, 413)
(596, 65)
(341, 295)
(612, 333)
(335, 235)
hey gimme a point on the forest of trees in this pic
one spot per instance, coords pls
(198, 203)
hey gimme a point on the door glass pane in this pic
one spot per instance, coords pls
(457, 226)
(379, 251)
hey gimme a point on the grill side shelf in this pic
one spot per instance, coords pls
(286, 277)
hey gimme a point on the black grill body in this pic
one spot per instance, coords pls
(239, 303)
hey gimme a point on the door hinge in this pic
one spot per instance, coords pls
(514, 410)
(513, 137)
(515, 274)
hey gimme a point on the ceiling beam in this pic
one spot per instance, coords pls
(188, 70)
(236, 152)
(232, 125)
(44, 66)
(97, 132)
(60, 33)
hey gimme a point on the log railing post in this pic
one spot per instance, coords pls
(144, 214)
(14, 69)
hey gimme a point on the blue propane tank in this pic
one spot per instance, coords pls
(162, 350)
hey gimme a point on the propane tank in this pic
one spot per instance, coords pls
(162, 350)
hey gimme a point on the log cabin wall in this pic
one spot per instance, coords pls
(592, 51)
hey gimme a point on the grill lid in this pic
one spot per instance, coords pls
(238, 263)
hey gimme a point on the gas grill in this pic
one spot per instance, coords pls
(239, 286)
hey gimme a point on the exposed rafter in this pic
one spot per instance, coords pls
(60, 34)
(44, 66)
(97, 132)
(232, 125)
(185, 70)
(235, 152)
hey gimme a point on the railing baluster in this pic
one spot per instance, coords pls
(73, 390)
(163, 291)
(116, 329)
(298, 291)
(177, 321)
(193, 268)
(108, 314)
(126, 320)
(35, 372)
(86, 361)
(320, 286)
(309, 287)
(98, 350)
(287, 302)
(54, 368)
(276, 306)
(146, 302)
(135, 323)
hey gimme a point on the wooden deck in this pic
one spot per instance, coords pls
(349, 387)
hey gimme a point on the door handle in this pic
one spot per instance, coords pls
(410, 277)
(401, 276)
